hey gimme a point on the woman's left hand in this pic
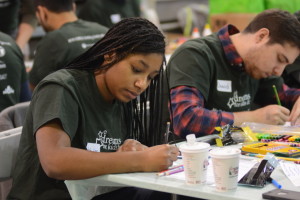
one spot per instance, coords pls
(131, 145)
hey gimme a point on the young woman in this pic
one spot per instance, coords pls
(80, 117)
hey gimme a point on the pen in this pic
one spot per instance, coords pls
(276, 95)
(171, 171)
(274, 182)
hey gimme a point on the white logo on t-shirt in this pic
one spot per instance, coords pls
(224, 86)
(115, 18)
(104, 142)
(8, 90)
(2, 51)
(86, 45)
(3, 77)
(2, 65)
(239, 101)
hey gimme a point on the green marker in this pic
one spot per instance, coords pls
(276, 95)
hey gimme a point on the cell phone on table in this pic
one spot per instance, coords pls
(281, 194)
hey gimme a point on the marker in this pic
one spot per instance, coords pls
(170, 168)
(276, 95)
(171, 171)
(274, 182)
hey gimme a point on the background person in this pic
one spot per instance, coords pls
(216, 80)
(17, 19)
(291, 74)
(67, 37)
(109, 12)
(14, 84)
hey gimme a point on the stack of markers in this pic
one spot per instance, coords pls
(293, 141)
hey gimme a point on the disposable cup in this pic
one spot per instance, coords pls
(195, 162)
(225, 162)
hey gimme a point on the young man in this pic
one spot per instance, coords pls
(67, 37)
(218, 79)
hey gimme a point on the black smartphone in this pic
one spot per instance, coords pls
(281, 194)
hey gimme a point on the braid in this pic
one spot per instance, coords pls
(147, 124)
(132, 36)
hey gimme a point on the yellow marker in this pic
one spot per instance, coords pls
(219, 142)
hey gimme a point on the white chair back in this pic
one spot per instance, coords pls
(9, 144)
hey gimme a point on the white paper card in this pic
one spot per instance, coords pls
(292, 171)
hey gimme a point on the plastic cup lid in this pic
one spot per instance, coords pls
(196, 147)
(225, 152)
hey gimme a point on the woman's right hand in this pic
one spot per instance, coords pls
(159, 157)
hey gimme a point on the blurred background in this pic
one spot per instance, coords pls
(178, 18)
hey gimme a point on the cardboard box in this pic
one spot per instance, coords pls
(240, 20)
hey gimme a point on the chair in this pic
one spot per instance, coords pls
(9, 144)
(13, 116)
(169, 20)
(11, 122)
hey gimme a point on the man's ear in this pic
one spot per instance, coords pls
(41, 13)
(262, 35)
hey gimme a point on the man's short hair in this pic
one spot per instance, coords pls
(283, 26)
(56, 6)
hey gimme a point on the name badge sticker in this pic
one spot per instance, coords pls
(93, 147)
(224, 86)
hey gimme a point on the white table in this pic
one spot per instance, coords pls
(86, 189)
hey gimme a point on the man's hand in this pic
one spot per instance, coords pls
(295, 113)
(272, 114)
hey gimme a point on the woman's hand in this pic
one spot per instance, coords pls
(131, 145)
(159, 157)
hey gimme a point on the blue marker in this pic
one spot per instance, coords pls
(275, 183)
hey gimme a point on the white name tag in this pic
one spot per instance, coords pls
(224, 86)
(93, 147)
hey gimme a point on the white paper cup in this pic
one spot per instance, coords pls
(225, 163)
(195, 162)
